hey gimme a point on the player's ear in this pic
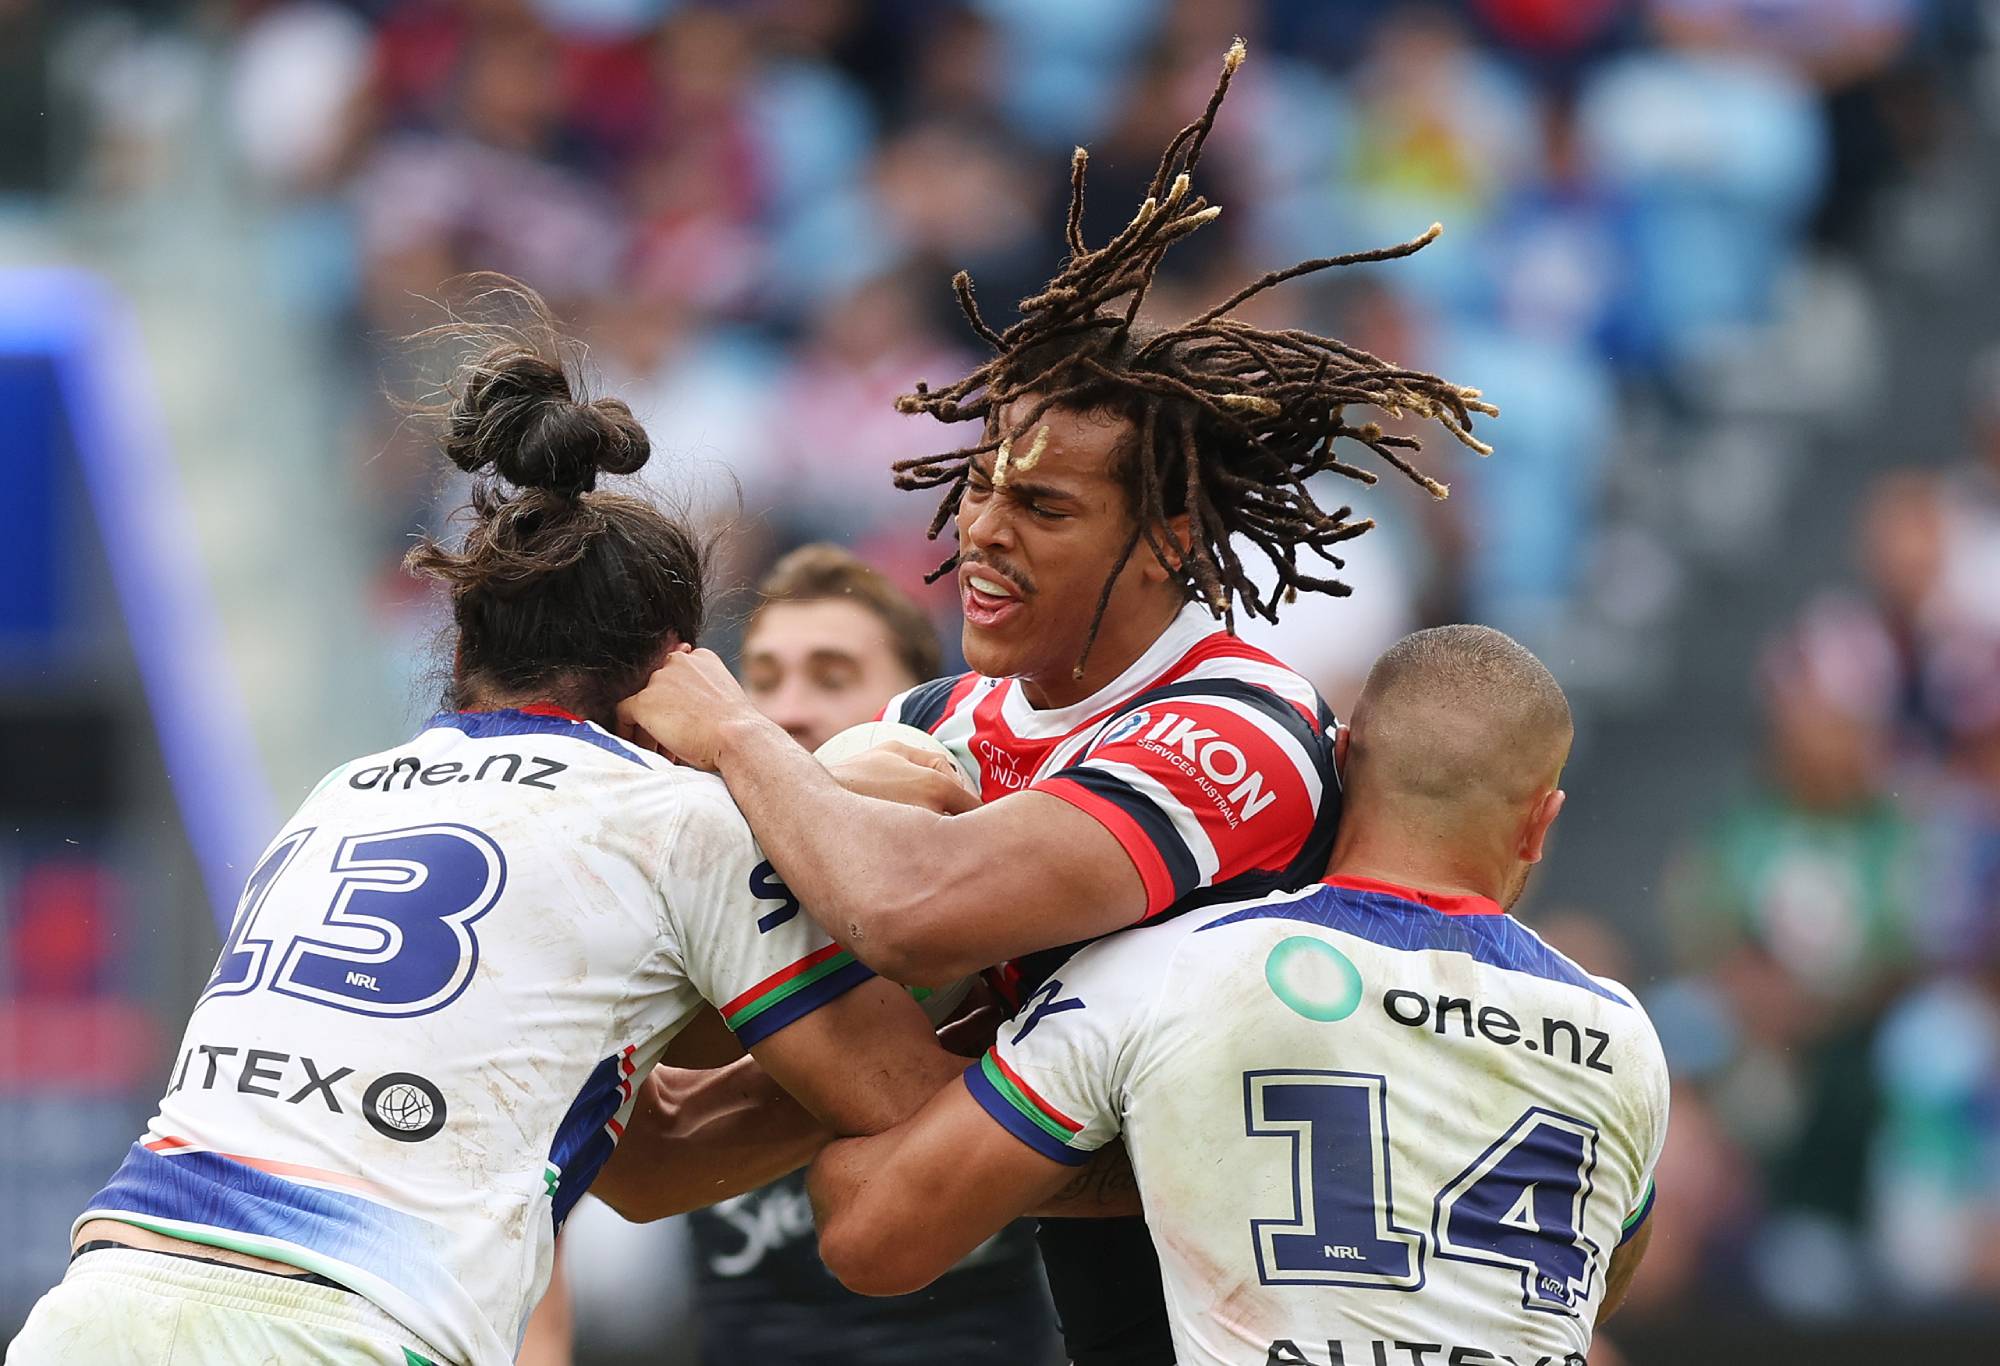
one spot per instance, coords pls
(1547, 808)
(670, 644)
(1174, 535)
(1341, 736)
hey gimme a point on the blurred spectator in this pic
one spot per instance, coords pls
(1964, 809)
(300, 69)
(1554, 34)
(954, 197)
(484, 190)
(1936, 1190)
(1801, 899)
(1926, 551)
(1722, 154)
(837, 432)
(1441, 131)
(1798, 913)
(1902, 548)
(1972, 493)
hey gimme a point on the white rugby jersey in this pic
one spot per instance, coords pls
(1371, 1126)
(420, 1041)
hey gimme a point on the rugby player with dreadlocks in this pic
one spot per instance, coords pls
(1150, 761)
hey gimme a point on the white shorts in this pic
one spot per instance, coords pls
(127, 1307)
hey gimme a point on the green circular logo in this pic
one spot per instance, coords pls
(1314, 978)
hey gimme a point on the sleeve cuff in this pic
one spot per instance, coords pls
(1145, 856)
(1637, 1219)
(1022, 1113)
(794, 992)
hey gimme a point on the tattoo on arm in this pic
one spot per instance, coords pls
(1105, 1188)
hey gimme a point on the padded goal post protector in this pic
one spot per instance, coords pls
(66, 334)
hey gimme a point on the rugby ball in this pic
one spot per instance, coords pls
(938, 1002)
(866, 736)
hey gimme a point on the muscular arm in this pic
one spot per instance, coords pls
(1221, 785)
(898, 1210)
(857, 1065)
(920, 897)
(697, 1137)
(1624, 1266)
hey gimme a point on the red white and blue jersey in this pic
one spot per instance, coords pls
(1212, 765)
(420, 1041)
(1208, 760)
(1369, 1123)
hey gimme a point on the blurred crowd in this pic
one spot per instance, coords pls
(1836, 1035)
(751, 210)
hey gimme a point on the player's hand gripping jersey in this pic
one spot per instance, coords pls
(1370, 1126)
(1212, 764)
(419, 1044)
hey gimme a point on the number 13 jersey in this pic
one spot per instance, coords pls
(1372, 1127)
(446, 978)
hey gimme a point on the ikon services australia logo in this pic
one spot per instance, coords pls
(1313, 978)
(1125, 727)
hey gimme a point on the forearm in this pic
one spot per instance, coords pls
(863, 869)
(871, 1231)
(699, 1137)
(900, 1209)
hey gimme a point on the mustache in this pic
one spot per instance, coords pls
(1019, 577)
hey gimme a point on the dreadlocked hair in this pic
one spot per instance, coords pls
(1231, 420)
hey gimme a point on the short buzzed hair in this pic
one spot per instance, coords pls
(823, 572)
(1457, 718)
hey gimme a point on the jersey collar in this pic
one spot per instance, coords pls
(1190, 626)
(1448, 905)
(548, 709)
(536, 719)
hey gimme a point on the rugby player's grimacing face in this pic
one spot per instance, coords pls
(1037, 539)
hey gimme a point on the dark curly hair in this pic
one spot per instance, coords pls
(1231, 420)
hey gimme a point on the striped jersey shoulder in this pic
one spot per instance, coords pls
(927, 704)
(1223, 673)
(1227, 659)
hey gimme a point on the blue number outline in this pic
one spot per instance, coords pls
(256, 889)
(393, 875)
(1482, 1166)
(1376, 1086)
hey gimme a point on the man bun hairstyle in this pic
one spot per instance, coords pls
(516, 412)
(558, 592)
(1231, 420)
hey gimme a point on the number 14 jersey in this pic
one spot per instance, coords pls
(1372, 1127)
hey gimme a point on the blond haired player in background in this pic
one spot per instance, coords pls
(830, 641)
(1374, 1121)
